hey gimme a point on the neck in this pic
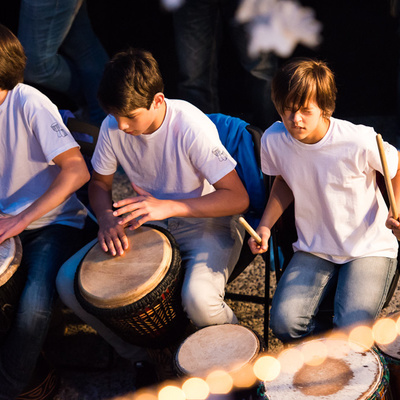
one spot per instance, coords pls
(3, 95)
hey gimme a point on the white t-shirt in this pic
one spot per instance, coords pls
(339, 210)
(182, 159)
(31, 135)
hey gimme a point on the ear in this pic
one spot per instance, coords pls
(158, 100)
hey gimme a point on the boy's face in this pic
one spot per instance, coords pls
(307, 124)
(142, 121)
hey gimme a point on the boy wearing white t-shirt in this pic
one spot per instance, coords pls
(328, 167)
(185, 181)
(41, 168)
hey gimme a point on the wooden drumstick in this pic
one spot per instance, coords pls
(251, 231)
(386, 175)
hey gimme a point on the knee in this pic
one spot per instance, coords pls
(287, 325)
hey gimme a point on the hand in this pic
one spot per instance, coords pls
(265, 234)
(112, 237)
(394, 226)
(141, 209)
(11, 225)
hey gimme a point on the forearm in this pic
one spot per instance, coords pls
(100, 198)
(280, 198)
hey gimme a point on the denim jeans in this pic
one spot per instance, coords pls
(198, 28)
(44, 251)
(64, 54)
(360, 289)
(209, 248)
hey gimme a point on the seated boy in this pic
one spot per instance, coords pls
(41, 167)
(185, 181)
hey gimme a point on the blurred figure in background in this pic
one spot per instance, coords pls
(198, 27)
(64, 54)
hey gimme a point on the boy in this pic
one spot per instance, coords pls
(185, 181)
(328, 167)
(41, 167)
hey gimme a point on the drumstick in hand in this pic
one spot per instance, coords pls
(388, 182)
(250, 230)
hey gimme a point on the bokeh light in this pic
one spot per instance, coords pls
(145, 394)
(291, 360)
(195, 389)
(314, 352)
(219, 382)
(361, 336)
(384, 331)
(244, 377)
(267, 368)
(171, 392)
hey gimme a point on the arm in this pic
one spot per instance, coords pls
(111, 234)
(229, 198)
(392, 223)
(280, 198)
(73, 174)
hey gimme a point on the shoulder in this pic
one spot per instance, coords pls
(276, 131)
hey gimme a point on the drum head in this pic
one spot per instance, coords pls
(345, 374)
(228, 347)
(10, 258)
(109, 282)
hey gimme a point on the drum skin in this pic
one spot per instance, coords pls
(152, 319)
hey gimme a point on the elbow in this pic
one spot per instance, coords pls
(243, 203)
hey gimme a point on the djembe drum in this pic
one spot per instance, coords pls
(345, 374)
(12, 280)
(391, 353)
(137, 295)
(230, 348)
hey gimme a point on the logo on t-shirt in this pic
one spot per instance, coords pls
(220, 153)
(57, 128)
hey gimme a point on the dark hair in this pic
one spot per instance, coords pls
(12, 59)
(301, 80)
(130, 80)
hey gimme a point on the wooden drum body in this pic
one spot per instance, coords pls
(345, 374)
(137, 295)
(391, 353)
(12, 281)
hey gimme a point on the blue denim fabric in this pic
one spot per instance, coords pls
(362, 287)
(209, 248)
(198, 26)
(64, 54)
(44, 251)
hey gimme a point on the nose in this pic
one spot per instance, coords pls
(122, 123)
(295, 117)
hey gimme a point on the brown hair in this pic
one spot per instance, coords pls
(130, 80)
(301, 80)
(12, 59)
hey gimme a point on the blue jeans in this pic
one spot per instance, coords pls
(360, 289)
(209, 248)
(44, 251)
(64, 54)
(198, 28)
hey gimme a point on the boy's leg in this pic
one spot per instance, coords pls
(209, 249)
(44, 250)
(363, 285)
(65, 287)
(298, 295)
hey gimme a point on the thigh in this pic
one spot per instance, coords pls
(209, 246)
(362, 288)
(303, 285)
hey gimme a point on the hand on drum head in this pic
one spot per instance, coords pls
(142, 208)
(112, 237)
(394, 226)
(10, 226)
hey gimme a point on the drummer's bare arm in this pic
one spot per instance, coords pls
(111, 234)
(280, 198)
(73, 174)
(392, 223)
(229, 198)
